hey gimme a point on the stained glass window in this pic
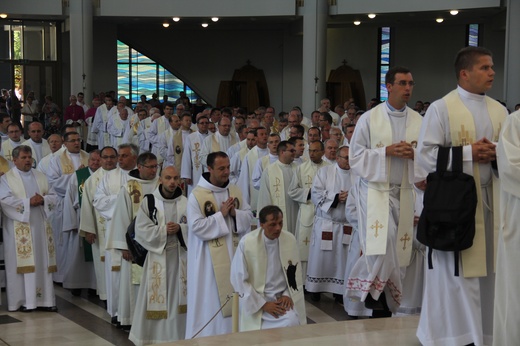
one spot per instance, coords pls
(139, 75)
(384, 61)
(473, 35)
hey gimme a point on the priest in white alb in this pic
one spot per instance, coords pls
(191, 167)
(217, 217)
(266, 272)
(30, 258)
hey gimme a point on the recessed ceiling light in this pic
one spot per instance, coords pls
(439, 20)
(204, 25)
(3, 15)
(166, 25)
(357, 22)
(372, 15)
(454, 12)
(176, 19)
(215, 19)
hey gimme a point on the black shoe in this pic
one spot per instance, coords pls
(372, 304)
(76, 292)
(338, 298)
(48, 308)
(24, 309)
(126, 328)
(92, 292)
(114, 320)
(316, 297)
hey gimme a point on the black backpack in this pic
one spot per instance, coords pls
(447, 222)
(137, 250)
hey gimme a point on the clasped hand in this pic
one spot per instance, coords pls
(401, 150)
(279, 307)
(483, 151)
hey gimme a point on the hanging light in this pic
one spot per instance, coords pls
(454, 12)
(204, 25)
(439, 20)
(3, 15)
(215, 19)
(357, 22)
(166, 25)
(176, 19)
(371, 15)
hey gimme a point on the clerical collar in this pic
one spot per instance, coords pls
(206, 175)
(134, 173)
(464, 93)
(394, 109)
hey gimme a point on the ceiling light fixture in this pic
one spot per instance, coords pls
(439, 20)
(3, 15)
(215, 19)
(371, 15)
(176, 19)
(357, 22)
(454, 12)
(204, 25)
(166, 25)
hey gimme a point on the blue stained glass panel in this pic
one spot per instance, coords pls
(122, 52)
(191, 95)
(123, 80)
(473, 35)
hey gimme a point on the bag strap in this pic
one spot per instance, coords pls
(152, 211)
(442, 159)
(456, 159)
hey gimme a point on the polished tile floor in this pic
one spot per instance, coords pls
(83, 321)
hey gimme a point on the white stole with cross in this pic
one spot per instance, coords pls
(462, 127)
(378, 199)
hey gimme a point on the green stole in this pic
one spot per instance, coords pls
(462, 128)
(82, 175)
(218, 247)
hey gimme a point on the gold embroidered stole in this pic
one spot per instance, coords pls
(157, 306)
(92, 183)
(178, 149)
(7, 149)
(22, 230)
(114, 186)
(307, 171)
(218, 247)
(266, 161)
(195, 147)
(256, 258)
(277, 188)
(4, 165)
(462, 128)
(215, 145)
(378, 199)
(104, 115)
(135, 191)
(67, 166)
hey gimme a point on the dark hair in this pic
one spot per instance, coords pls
(327, 116)
(3, 116)
(467, 57)
(142, 158)
(67, 126)
(210, 161)
(299, 129)
(202, 117)
(269, 210)
(68, 134)
(17, 124)
(21, 148)
(322, 146)
(390, 75)
(108, 148)
(283, 146)
(314, 128)
(213, 110)
(293, 140)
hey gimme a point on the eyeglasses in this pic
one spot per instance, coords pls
(404, 83)
(151, 167)
(343, 157)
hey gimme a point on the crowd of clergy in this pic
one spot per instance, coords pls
(271, 206)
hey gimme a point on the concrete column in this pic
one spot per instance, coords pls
(81, 48)
(315, 13)
(512, 55)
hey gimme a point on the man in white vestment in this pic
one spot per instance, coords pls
(272, 144)
(133, 133)
(300, 191)
(236, 160)
(245, 182)
(191, 167)
(331, 232)
(105, 202)
(14, 132)
(39, 146)
(161, 125)
(141, 181)
(160, 311)
(100, 123)
(506, 316)
(219, 141)
(118, 126)
(382, 155)
(458, 310)
(275, 183)
(5, 121)
(91, 223)
(217, 216)
(55, 142)
(160, 147)
(27, 201)
(175, 146)
(266, 272)
(79, 272)
(331, 149)
(61, 170)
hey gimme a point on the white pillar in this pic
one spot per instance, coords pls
(512, 54)
(315, 13)
(81, 48)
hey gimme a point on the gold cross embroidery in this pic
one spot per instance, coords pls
(306, 241)
(377, 226)
(404, 239)
(197, 160)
